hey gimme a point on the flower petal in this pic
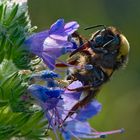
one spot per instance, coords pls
(42, 93)
(38, 92)
(74, 94)
(35, 42)
(89, 110)
(48, 60)
(47, 98)
(66, 135)
(75, 84)
(45, 74)
(71, 27)
(50, 104)
(56, 48)
(79, 129)
(58, 25)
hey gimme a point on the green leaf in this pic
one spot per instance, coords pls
(27, 125)
(22, 59)
(2, 43)
(1, 11)
(8, 52)
(3, 103)
(2, 54)
(12, 14)
(16, 117)
(15, 27)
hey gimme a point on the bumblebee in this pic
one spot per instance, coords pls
(95, 60)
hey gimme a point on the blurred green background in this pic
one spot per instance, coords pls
(120, 97)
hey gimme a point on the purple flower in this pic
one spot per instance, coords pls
(52, 43)
(57, 103)
(77, 125)
(47, 76)
(47, 98)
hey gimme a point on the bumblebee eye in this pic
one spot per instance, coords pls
(99, 40)
(111, 42)
(102, 40)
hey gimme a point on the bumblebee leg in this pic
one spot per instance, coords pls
(61, 65)
(81, 48)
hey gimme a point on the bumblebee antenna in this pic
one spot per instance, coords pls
(95, 26)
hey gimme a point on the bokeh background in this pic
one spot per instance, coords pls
(121, 96)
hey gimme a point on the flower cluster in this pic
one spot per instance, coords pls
(57, 101)
(52, 43)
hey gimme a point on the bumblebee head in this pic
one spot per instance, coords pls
(111, 44)
(118, 46)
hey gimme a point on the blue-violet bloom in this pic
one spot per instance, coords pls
(52, 43)
(57, 103)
